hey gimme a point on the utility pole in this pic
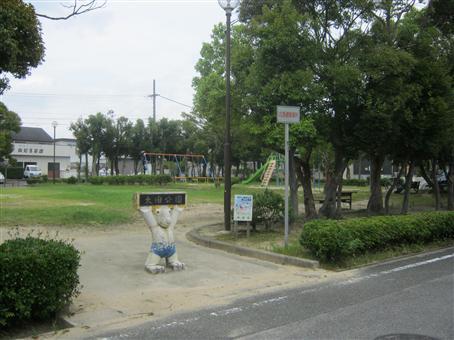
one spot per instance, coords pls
(154, 95)
(154, 100)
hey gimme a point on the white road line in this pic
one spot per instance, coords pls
(276, 300)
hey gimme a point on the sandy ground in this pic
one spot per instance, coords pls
(118, 292)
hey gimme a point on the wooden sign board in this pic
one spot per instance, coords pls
(155, 199)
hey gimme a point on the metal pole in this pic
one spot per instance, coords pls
(286, 185)
(227, 167)
(53, 165)
(154, 100)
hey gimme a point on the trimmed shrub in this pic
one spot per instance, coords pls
(34, 180)
(37, 278)
(139, 179)
(336, 240)
(355, 182)
(95, 180)
(71, 180)
(268, 208)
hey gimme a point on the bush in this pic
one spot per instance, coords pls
(336, 240)
(139, 179)
(268, 208)
(355, 182)
(34, 180)
(37, 278)
(386, 182)
(71, 180)
(95, 180)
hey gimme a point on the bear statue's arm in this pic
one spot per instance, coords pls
(149, 217)
(174, 217)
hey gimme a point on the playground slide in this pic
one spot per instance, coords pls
(256, 174)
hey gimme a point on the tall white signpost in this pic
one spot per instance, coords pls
(287, 115)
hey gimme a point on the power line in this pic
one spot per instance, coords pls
(37, 94)
(174, 101)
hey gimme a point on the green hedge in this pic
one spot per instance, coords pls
(138, 179)
(336, 240)
(356, 182)
(37, 278)
(13, 172)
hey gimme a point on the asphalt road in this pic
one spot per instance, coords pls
(405, 299)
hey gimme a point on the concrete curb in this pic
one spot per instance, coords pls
(195, 237)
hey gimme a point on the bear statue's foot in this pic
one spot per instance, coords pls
(177, 265)
(155, 269)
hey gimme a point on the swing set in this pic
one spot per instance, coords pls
(188, 167)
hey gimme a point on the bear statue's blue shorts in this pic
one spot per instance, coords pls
(163, 249)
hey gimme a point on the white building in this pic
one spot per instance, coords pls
(35, 146)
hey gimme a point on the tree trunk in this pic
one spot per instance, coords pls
(98, 159)
(450, 178)
(408, 181)
(86, 166)
(293, 183)
(112, 167)
(117, 169)
(333, 179)
(436, 187)
(425, 175)
(80, 167)
(338, 196)
(392, 187)
(136, 165)
(375, 204)
(303, 170)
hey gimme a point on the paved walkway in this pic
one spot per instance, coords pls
(118, 292)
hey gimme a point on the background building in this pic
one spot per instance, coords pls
(34, 146)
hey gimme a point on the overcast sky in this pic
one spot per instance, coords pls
(107, 60)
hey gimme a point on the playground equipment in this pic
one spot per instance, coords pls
(188, 167)
(266, 171)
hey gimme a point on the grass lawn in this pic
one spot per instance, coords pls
(86, 204)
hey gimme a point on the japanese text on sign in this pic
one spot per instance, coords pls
(242, 209)
(160, 198)
(288, 114)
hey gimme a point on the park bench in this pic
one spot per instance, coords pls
(345, 197)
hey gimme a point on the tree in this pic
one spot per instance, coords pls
(281, 74)
(82, 133)
(428, 129)
(138, 143)
(9, 123)
(122, 135)
(21, 47)
(97, 127)
(387, 90)
(77, 8)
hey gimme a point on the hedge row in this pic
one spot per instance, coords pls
(37, 278)
(336, 240)
(45, 179)
(138, 179)
(384, 182)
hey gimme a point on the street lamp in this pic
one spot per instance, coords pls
(54, 125)
(228, 6)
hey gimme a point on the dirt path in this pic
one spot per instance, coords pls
(116, 290)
